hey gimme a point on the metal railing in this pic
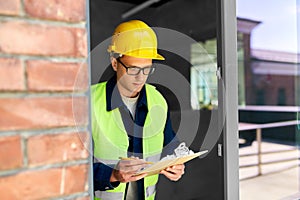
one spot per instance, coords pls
(258, 128)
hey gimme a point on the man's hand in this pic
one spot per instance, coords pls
(174, 172)
(126, 169)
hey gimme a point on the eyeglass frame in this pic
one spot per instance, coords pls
(152, 68)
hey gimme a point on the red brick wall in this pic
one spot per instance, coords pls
(43, 100)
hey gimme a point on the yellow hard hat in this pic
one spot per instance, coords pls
(135, 38)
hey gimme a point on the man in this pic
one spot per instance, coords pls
(130, 119)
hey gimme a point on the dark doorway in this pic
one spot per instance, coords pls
(200, 21)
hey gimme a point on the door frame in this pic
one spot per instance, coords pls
(229, 99)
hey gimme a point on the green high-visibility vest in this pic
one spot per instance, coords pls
(111, 140)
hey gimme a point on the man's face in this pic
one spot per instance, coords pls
(130, 85)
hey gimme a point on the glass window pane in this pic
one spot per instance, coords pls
(269, 99)
(204, 82)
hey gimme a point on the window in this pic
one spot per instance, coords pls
(281, 97)
(204, 82)
(241, 69)
(260, 97)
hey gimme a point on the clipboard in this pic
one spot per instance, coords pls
(163, 164)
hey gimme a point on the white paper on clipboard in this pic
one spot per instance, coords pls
(163, 164)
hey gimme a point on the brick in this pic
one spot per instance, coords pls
(62, 10)
(11, 74)
(11, 7)
(38, 113)
(18, 37)
(40, 184)
(11, 155)
(81, 45)
(56, 76)
(47, 149)
(31, 184)
(76, 179)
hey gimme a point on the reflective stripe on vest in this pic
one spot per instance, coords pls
(111, 140)
(104, 195)
(150, 190)
(108, 195)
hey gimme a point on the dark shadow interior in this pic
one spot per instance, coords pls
(199, 20)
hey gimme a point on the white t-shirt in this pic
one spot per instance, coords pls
(132, 191)
(130, 103)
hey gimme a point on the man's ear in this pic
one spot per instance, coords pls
(113, 63)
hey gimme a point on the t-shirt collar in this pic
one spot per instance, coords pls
(113, 97)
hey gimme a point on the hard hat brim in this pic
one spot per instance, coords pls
(159, 57)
